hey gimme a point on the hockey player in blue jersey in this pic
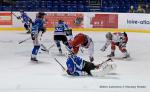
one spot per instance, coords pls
(77, 66)
(36, 33)
(26, 20)
(60, 34)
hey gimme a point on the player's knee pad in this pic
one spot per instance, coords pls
(113, 47)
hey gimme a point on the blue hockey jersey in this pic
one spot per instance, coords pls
(37, 25)
(26, 19)
(60, 28)
(74, 66)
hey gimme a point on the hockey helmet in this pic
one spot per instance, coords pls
(109, 36)
(60, 21)
(41, 14)
(21, 11)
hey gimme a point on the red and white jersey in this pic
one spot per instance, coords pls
(117, 37)
(82, 40)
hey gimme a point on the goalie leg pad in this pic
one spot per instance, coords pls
(108, 67)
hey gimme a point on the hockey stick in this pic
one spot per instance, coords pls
(45, 49)
(14, 15)
(81, 49)
(60, 64)
(12, 11)
(109, 59)
(17, 17)
(51, 46)
(24, 40)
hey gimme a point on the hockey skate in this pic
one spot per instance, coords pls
(126, 55)
(98, 66)
(60, 51)
(112, 54)
(28, 32)
(34, 60)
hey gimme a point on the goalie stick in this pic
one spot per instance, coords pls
(109, 59)
(60, 64)
(24, 40)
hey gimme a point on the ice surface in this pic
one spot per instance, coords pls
(18, 74)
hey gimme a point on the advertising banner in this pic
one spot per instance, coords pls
(5, 18)
(134, 21)
(105, 21)
(74, 20)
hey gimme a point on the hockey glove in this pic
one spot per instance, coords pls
(30, 21)
(19, 17)
(44, 30)
(122, 44)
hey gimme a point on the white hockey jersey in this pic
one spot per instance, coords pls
(117, 39)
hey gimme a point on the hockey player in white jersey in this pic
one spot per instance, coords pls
(116, 39)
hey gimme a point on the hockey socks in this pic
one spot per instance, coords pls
(34, 53)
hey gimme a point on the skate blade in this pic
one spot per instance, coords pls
(34, 62)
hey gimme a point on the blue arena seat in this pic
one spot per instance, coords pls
(74, 5)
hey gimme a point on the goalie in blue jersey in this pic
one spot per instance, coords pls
(76, 66)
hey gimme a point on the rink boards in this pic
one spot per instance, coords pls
(86, 30)
(83, 21)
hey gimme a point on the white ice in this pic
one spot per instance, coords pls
(18, 74)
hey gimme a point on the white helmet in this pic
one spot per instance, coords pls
(109, 36)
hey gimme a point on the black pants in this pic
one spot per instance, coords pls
(88, 66)
(62, 38)
(27, 27)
